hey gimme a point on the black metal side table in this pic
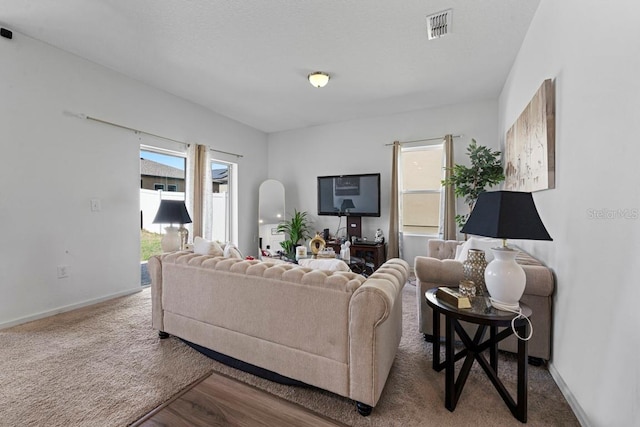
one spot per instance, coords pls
(473, 349)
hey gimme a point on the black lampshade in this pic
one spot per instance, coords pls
(347, 204)
(506, 215)
(172, 212)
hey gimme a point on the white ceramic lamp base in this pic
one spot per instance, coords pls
(171, 240)
(505, 279)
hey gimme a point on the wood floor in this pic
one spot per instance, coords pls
(218, 400)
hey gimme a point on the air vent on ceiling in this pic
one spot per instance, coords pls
(439, 24)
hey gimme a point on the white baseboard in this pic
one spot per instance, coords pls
(66, 308)
(571, 399)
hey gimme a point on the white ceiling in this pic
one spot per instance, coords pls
(248, 59)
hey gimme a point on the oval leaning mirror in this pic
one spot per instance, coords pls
(270, 213)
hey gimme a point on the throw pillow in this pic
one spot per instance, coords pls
(232, 251)
(483, 243)
(205, 247)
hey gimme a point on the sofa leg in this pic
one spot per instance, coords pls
(163, 335)
(364, 409)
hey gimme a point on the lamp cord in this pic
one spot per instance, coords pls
(516, 310)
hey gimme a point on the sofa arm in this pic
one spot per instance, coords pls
(375, 330)
(445, 272)
(154, 266)
(432, 273)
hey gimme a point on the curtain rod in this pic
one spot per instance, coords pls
(95, 119)
(437, 138)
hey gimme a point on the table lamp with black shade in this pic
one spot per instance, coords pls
(173, 212)
(505, 215)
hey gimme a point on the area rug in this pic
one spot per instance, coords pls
(104, 366)
(101, 365)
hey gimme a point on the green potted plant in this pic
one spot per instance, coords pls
(469, 181)
(296, 228)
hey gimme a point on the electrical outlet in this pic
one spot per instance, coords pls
(63, 271)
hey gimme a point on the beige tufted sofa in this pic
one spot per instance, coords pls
(338, 331)
(439, 268)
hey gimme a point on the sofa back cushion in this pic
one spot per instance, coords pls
(483, 243)
(442, 249)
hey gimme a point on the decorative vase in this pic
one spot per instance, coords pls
(473, 268)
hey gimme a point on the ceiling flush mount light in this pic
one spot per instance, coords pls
(318, 79)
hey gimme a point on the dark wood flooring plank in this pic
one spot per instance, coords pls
(222, 401)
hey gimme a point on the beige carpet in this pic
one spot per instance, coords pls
(104, 366)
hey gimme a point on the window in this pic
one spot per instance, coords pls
(421, 174)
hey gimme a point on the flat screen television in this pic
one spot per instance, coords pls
(349, 195)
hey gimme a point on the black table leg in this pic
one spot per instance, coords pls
(436, 341)
(493, 350)
(521, 409)
(450, 362)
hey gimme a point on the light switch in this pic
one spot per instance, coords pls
(95, 205)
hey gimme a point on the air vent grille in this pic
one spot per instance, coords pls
(439, 24)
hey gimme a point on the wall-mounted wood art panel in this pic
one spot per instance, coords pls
(530, 144)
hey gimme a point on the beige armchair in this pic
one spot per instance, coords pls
(439, 268)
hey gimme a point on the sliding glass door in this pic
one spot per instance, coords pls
(162, 177)
(220, 202)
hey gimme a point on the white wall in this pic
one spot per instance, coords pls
(596, 321)
(53, 164)
(298, 157)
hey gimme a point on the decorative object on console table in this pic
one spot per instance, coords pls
(474, 267)
(453, 297)
(326, 253)
(467, 288)
(173, 212)
(317, 244)
(345, 252)
(505, 215)
(301, 252)
(379, 238)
